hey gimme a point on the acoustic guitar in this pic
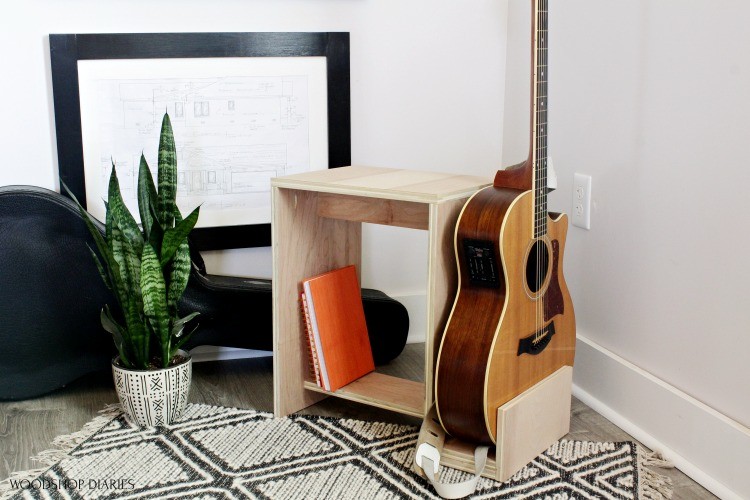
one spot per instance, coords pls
(512, 322)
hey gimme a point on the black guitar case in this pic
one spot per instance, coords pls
(51, 294)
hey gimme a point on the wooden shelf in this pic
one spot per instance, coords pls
(382, 391)
(317, 227)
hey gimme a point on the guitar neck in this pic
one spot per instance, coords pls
(532, 174)
(539, 115)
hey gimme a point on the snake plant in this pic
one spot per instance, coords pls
(147, 267)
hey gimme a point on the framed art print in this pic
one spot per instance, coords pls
(244, 107)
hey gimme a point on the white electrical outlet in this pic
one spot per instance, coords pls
(582, 201)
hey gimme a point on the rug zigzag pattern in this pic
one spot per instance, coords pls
(216, 452)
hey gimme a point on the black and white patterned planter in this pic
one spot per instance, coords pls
(154, 397)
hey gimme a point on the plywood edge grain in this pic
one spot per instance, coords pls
(290, 215)
(392, 184)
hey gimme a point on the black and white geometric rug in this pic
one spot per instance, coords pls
(216, 452)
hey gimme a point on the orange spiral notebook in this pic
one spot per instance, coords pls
(337, 333)
(311, 352)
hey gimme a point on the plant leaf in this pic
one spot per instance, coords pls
(146, 197)
(153, 290)
(174, 237)
(100, 268)
(157, 232)
(118, 336)
(183, 340)
(167, 174)
(178, 276)
(109, 323)
(179, 324)
(128, 259)
(120, 214)
(134, 333)
(99, 241)
(128, 291)
(107, 220)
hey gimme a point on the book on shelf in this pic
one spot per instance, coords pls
(335, 328)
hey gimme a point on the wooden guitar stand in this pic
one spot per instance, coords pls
(526, 426)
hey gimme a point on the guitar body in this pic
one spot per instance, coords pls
(479, 367)
(512, 323)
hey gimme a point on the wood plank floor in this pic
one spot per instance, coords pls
(28, 427)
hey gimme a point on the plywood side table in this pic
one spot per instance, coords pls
(317, 226)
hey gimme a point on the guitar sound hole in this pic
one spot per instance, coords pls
(536, 266)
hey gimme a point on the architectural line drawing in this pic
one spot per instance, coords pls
(233, 134)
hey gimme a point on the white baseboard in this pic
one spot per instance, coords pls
(416, 306)
(218, 353)
(711, 448)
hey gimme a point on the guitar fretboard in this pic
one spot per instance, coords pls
(540, 117)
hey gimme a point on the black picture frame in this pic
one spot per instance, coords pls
(67, 49)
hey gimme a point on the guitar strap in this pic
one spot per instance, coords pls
(427, 458)
(456, 490)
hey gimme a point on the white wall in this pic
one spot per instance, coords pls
(654, 106)
(650, 98)
(426, 82)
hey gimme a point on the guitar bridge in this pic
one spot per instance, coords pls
(537, 341)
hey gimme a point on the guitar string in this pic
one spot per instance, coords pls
(538, 166)
(545, 106)
(540, 209)
(543, 180)
(536, 169)
(538, 175)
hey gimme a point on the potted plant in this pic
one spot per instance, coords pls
(147, 269)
